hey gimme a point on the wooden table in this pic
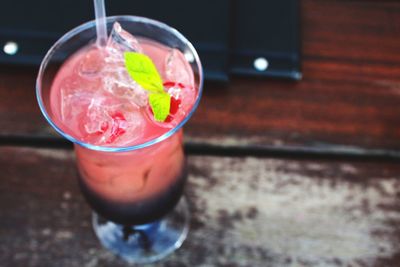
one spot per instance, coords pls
(281, 173)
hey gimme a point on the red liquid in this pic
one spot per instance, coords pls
(137, 212)
(133, 187)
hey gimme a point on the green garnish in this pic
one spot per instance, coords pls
(143, 71)
(160, 104)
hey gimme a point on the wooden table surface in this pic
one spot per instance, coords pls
(281, 173)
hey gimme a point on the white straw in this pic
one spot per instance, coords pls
(101, 26)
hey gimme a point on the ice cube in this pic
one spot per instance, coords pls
(133, 128)
(179, 77)
(116, 79)
(121, 41)
(74, 100)
(110, 121)
(91, 65)
(97, 117)
(186, 96)
(177, 68)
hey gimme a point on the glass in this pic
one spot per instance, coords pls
(135, 191)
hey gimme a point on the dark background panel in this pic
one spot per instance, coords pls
(45, 17)
(267, 29)
(36, 25)
(229, 34)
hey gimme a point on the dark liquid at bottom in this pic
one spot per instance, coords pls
(140, 212)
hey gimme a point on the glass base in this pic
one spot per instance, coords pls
(145, 243)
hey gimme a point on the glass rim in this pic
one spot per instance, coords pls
(90, 24)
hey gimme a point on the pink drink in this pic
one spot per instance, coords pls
(94, 99)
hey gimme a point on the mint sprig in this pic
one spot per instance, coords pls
(143, 71)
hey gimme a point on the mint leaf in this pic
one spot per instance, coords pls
(142, 69)
(160, 104)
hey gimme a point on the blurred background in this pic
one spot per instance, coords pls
(228, 34)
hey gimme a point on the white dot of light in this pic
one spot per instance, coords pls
(261, 64)
(189, 57)
(10, 48)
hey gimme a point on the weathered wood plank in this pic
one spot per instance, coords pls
(245, 212)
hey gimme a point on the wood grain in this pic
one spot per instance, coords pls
(245, 212)
(349, 96)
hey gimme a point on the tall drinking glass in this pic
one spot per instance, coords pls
(134, 190)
